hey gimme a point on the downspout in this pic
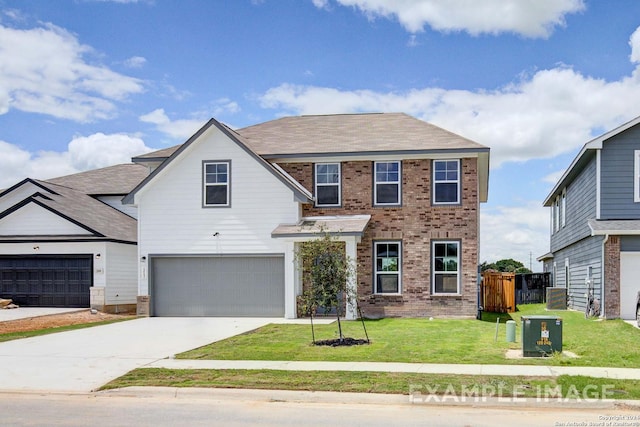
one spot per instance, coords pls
(603, 310)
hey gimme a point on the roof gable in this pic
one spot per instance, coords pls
(583, 157)
(31, 217)
(300, 193)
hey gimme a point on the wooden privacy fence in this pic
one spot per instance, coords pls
(498, 292)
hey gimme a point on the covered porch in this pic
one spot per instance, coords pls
(343, 228)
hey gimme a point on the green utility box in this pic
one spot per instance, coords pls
(541, 335)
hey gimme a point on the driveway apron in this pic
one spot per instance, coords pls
(85, 359)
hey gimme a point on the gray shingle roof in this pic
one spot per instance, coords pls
(118, 179)
(91, 213)
(71, 197)
(619, 227)
(344, 133)
(351, 133)
(348, 225)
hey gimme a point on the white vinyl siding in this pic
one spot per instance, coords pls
(116, 203)
(446, 182)
(121, 273)
(171, 220)
(387, 177)
(327, 184)
(34, 220)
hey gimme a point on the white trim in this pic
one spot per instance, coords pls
(330, 184)
(598, 188)
(375, 266)
(436, 182)
(398, 183)
(433, 264)
(567, 275)
(556, 215)
(636, 176)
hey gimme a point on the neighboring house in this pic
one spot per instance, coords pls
(221, 215)
(69, 241)
(595, 223)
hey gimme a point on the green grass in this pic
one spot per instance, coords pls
(28, 334)
(597, 343)
(383, 382)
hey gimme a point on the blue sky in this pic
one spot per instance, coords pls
(88, 83)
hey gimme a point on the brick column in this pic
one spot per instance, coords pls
(611, 286)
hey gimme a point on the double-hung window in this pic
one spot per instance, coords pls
(446, 182)
(387, 183)
(446, 267)
(327, 182)
(216, 183)
(387, 267)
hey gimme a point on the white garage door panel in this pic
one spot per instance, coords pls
(629, 283)
(218, 286)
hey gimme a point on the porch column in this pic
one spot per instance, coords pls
(351, 249)
(289, 281)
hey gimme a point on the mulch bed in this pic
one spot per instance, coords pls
(345, 342)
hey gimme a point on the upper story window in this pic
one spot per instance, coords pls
(216, 183)
(446, 182)
(636, 176)
(387, 183)
(327, 180)
(387, 267)
(446, 267)
(556, 214)
(563, 208)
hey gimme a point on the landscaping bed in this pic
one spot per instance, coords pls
(57, 320)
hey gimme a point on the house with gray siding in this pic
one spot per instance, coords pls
(595, 224)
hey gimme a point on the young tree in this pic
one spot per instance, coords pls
(327, 271)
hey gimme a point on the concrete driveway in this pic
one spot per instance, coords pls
(85, 359)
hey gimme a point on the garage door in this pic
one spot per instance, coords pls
(218, 286)
(46, 281)
(629, 283)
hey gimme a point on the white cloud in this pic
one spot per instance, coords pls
(552, 112)
(530, 18)
(521, 233)
(183, 128)
(553, 177)
(135, 62)
(177, 129)
(83, 153)
(44, 70)
(634, 42)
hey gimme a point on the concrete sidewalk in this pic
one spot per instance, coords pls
(27, 312)
(419, 368)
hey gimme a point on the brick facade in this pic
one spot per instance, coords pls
(416, 223)
(612, 278)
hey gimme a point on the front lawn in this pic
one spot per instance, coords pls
(597, 343)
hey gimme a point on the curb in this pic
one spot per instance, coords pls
(328, 397)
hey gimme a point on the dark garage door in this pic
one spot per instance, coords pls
(46, 281)
(218, 286)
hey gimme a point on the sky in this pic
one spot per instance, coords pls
(91, 83)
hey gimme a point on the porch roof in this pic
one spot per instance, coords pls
(619, 227)
(341, 225)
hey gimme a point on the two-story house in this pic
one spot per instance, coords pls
(220, 216)
(595, 223)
